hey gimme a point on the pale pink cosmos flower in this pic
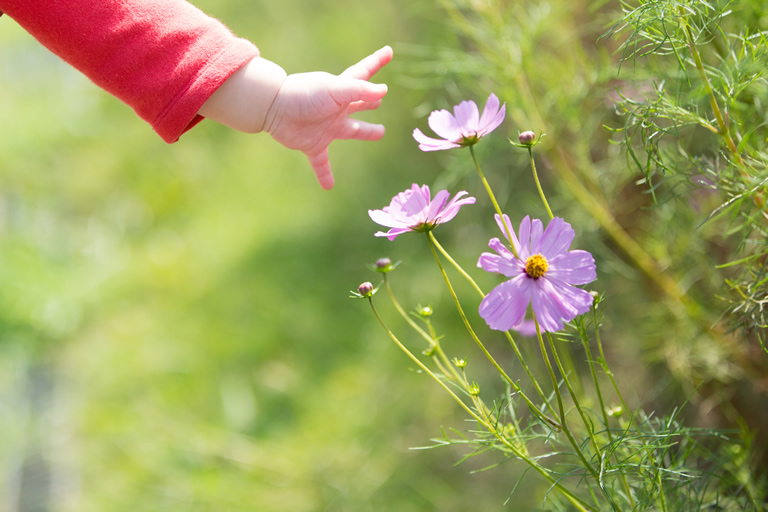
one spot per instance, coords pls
(464, 127)
(542, 275)
(415, 210)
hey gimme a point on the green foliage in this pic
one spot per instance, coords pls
(703, 122)
(674, 90)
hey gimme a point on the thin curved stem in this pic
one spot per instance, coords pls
(596, 383)
(511, 340)
(431, 339)
(538, 183)
(722, 123)
(422, 366)
(575, 500)
(493, 199)
(632, 422)
(558, 395)
(576, 402)
(534, 409)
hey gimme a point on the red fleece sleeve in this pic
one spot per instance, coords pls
(164, 58)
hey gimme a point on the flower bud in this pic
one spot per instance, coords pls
(474, 389)
(527, 138)
(459, 362)
(384, 265)
(365, 289)
(424, 311)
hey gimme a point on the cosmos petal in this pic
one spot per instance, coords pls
(557, 238)
(467, 117)
(573, 267)
(505, 306)
(445, 125)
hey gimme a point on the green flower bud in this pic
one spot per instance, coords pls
(424, 311)
(384, 265)
(459, 362)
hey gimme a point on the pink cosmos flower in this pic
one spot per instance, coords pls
(542, 275)
(464, 127)
(415, 210)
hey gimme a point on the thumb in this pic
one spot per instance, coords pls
(350, 90)
(322, 167)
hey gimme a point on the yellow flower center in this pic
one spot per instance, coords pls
(536, 266)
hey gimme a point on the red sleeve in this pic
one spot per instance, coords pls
(164, 58)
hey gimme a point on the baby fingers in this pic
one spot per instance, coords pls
(368, 67)
(350, 90)
(322, 168)
(360, 106)
(360, 130)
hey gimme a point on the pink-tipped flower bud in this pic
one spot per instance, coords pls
(527, 138)
(365, 289)
(384, 265)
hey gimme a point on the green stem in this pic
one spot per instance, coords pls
(457, 267)
(538, 183)
(580, 410)
(600, 400)
(576, 501)
(423, 366)
(493, 199)
(431, 339)
(722, 123)
(560, 406)
(534, 409)
(573, 394)
(630, 415)
(511, 340)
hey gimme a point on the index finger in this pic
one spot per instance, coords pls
(368, 67)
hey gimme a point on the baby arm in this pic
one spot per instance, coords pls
(304, 111)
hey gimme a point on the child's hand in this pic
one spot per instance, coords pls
(311, 110)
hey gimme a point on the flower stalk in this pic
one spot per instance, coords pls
(484, 421)
(563, 420)
(511, 340)
(473, 335)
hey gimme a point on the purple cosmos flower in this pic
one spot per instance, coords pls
(415, 210)
(464, 127)
(542, 275)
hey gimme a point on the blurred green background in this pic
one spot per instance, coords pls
(175, 327)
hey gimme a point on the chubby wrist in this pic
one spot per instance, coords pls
(267, 78)
(243, 100)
